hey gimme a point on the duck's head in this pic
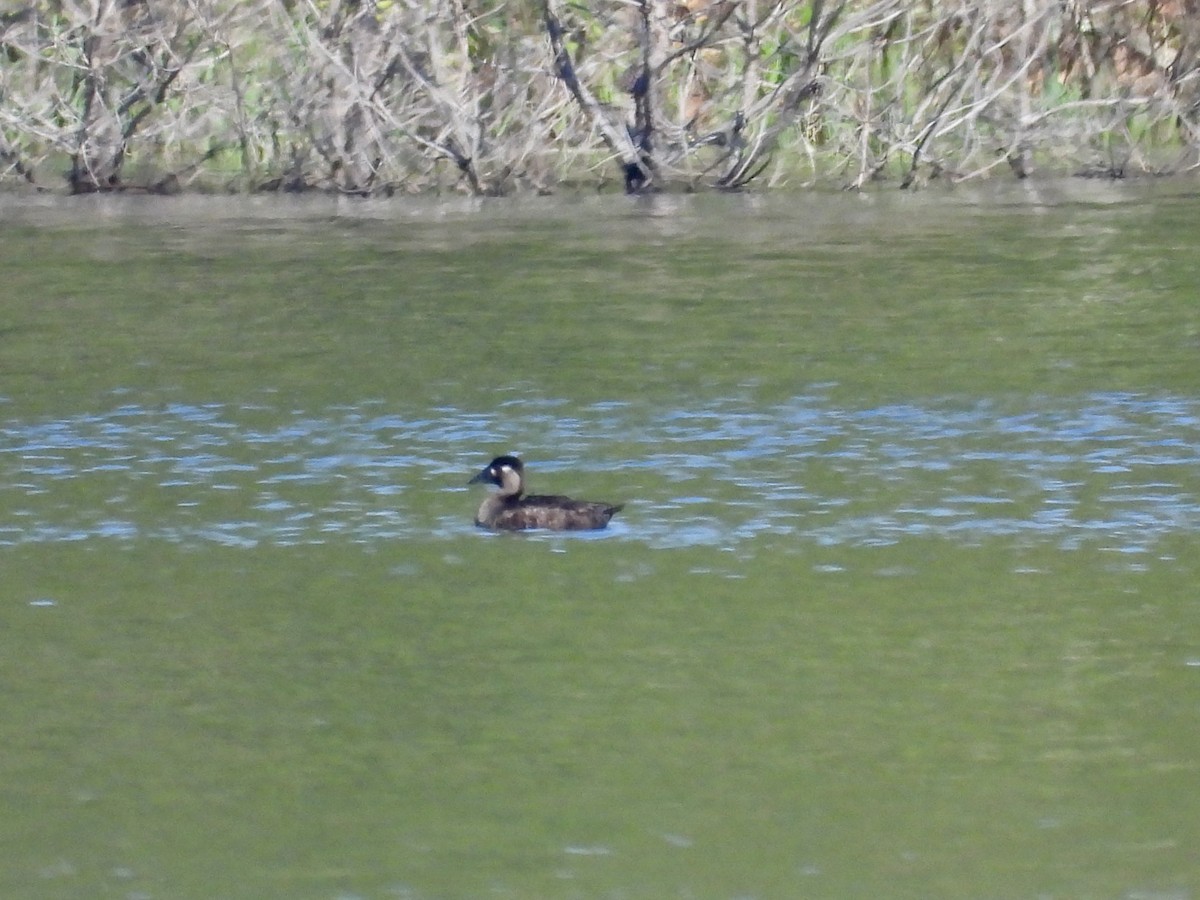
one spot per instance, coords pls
(506, 472)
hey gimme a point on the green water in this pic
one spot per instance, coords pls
(903, 602)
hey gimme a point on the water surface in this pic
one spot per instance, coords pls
(902, 602)
(1118, 470)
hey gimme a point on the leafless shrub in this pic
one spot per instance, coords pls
(950, 89)
(961, 88)
(491, 96)
(372, 97)
(710, 86)
(95, 82)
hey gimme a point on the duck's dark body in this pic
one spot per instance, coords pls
(509, 510)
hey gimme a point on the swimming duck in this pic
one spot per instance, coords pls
(508, 510)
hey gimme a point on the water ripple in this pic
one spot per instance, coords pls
(1114, 468)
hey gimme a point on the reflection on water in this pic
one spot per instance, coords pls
(1120, 470)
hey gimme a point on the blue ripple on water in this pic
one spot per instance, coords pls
(1118, 468)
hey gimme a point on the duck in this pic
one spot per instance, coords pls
(511, 509)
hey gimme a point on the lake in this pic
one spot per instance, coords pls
(903, 601)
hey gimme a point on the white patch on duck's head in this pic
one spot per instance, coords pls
(506, 472)
(509, 477)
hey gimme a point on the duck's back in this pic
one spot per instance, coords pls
(551, 512)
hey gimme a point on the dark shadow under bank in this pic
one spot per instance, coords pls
(578, 204)
(166, 184)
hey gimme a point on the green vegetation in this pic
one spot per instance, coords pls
(372, 97)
